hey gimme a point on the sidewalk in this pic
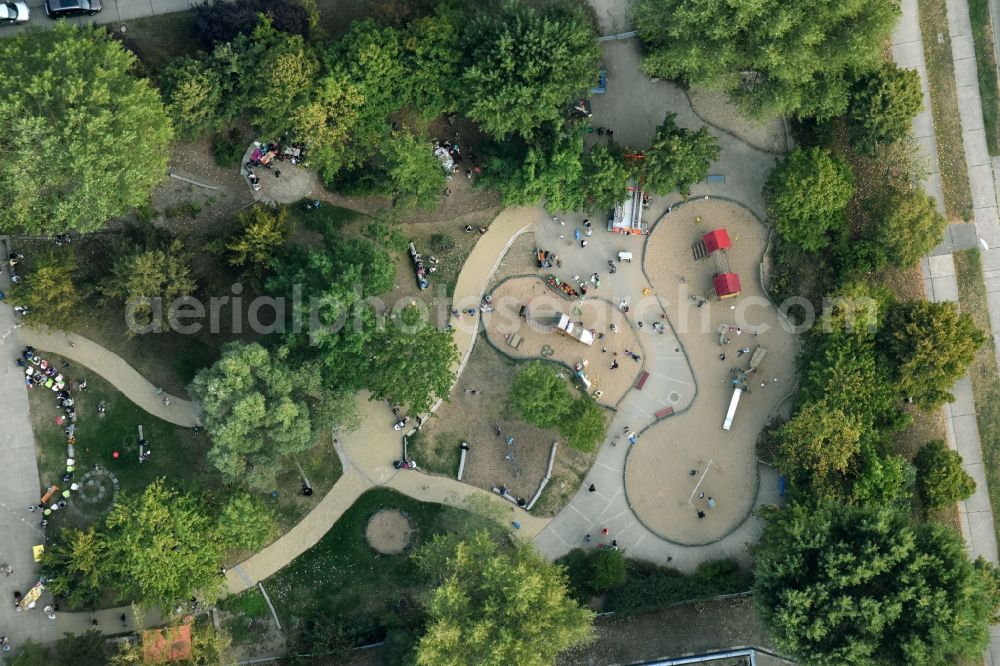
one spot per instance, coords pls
(114, 11)
(941, 285)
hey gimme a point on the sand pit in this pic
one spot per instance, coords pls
(687, 464)
(539, 340)
(389, 531)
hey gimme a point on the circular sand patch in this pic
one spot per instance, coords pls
(389, 531)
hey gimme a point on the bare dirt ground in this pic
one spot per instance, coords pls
(389, 531)
(473, 418)
(714, 107)
(542, 341)
(681, 457)
(174, 201)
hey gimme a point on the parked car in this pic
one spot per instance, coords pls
(60, 8)
(13, 12)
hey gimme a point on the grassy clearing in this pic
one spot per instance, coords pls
(342, 577)
(159, 39)
(178, 454)
(985, 384)
(986, 66)
(944, 105)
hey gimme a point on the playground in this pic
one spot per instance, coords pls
(536, 333)
(688, 479)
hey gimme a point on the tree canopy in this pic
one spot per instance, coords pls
(416, 174)
(143, 276)
(774, 57)
(807, 194)
(52, 291)
(539, 395)
(883, 104)
(902, 226)
(818, 446)
(84, 138)
(496, 606)
(605, 176)
(678, 158)
(930, 346)
(840, 585)
(941, 481)
(522, 67)
(253, 411)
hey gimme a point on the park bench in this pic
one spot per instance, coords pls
(639, 383)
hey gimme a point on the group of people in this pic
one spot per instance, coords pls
(266, 156)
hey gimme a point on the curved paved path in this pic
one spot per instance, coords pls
(113, 368)
(367, 453)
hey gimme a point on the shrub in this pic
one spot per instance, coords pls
(941, 481)
(228, 147)
(442, 243)
(609, 570)
(651, 586)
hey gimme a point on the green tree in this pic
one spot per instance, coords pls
(286, 67)
(192, 90)
(142, 277)
(326, 122)
(548, 169)
(678, 158)
(930, 346)
(86, 649)
(609, 570)
(807, 194)
(252, 411)
(371, 57)
(883, 104)
(605, 176)
(903, 226)
(539, 395)
(262, 236)
(840, 585)
(76, 567)
(162, 547)
(774, 57)
(818, 447)
(584, 424)
(842, 369)
(941, 481)
(412, 363)
(31, 653)
(416, 174)
(494, 606)
(523, 66)
(84, 139)
(245, 522)
(432, 49)
(52, 291)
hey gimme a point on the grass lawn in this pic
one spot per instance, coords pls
(342, 577)
(986, 65)
(159, 39)
(985, 384)
(944, 105)
(178, 454)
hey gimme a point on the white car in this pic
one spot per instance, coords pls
(13, 12)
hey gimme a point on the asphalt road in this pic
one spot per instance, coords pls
(114, 11)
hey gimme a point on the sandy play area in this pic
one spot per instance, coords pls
(389, 531)
(612, 334)
(687, 466)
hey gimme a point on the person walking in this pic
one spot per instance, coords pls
(592, 488)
